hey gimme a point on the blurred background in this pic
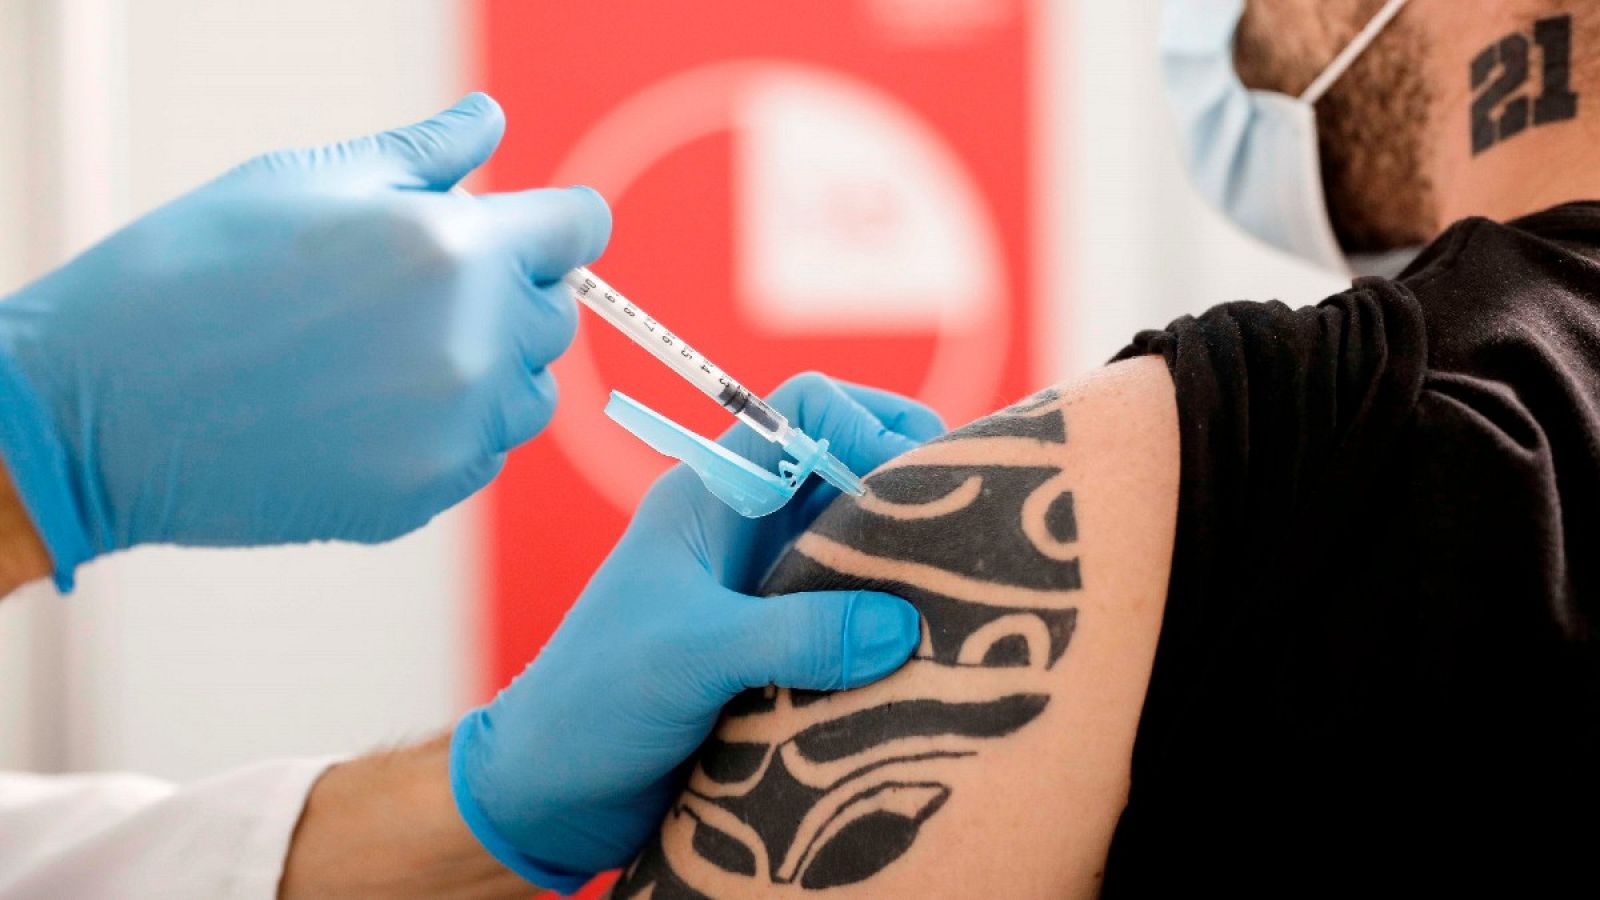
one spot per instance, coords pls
(962, 199)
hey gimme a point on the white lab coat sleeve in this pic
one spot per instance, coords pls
(130, 836)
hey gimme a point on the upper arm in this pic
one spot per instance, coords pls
(1036, 544)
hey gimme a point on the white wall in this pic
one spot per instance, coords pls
(18, 618)
(1142, 248)
(175, 662)
(60, 106)
(183, 662)
(14, 28)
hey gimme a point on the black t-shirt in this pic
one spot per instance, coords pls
(1379, 666)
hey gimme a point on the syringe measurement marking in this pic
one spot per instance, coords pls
(734, 397)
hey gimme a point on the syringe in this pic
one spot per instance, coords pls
(666, 346)
(671, 349)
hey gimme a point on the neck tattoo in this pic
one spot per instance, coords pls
(1502, 107)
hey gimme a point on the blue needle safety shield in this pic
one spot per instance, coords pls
(750, 490)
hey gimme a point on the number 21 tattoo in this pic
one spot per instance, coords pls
(1501, 109)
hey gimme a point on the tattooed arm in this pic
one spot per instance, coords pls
(1036, 543)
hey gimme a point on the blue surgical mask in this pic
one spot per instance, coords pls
(1254, 154)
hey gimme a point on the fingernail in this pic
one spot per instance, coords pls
(883, 632)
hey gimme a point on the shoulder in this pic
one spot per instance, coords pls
(1036, 544)
(1012, 494)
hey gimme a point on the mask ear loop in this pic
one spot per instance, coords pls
(1351, 53)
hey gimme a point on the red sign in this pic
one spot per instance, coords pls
(843, 186)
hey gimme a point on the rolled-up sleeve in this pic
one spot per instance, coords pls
(131, 836)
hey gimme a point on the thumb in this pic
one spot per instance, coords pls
(822, 641)
(439, 151)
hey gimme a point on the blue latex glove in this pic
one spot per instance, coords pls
(320, 344)
(571, 768)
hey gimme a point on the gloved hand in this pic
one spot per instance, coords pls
(570, 769)
(320, 344)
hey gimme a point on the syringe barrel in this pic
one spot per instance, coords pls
(593, 292)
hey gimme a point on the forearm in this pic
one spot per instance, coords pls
(385, 825)
(23, 557)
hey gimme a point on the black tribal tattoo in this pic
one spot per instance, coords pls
(979, 530)
(1500, 108)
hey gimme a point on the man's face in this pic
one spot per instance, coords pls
(1372, 125)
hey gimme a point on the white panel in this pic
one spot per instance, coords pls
(186, 662)
(855, 217)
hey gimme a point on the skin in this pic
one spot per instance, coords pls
(1541, 167)
(1044, 795)
(1398, 165)
(386, 826)
(22, 554)
(1042, 788)
(1374, 167)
